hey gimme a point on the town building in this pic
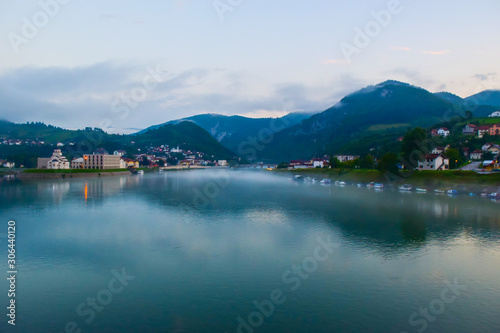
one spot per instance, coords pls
(434, 162)
(101, 161)
(476, 155)
(319, 162)
(41, 162)
(443, 131)
(119, 153)
(494, 149)
(130, 162)
(495, 130)
(486, 146)
(482, 130)
(9, 165)
(77, 163)
(440, 150)
(469, 129)
(56, 161)
(346, 158)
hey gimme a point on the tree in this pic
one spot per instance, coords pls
(412, 142)
(389, 163)
(334, 162)
(144, 161)
(367, 162)
(283, 165)
(455, 158)
(161, 163)
(468, 115)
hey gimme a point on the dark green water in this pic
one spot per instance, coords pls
(206, 251)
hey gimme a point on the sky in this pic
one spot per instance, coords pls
(124, 65)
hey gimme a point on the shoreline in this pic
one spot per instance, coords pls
(427, 179)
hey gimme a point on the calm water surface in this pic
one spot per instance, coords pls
(207, 251)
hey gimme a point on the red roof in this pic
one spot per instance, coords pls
(484, 127)
(432, 156)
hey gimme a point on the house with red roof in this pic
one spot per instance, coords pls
(434, 162)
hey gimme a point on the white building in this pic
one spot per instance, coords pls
(222, 162)
(176, 150)
(57, 161)
(77, 163)
(318, 163)
(119, 153)
(495, 114)
(476, 155)
(9, 165)
(346, 158)
(434, 162)
(443, 131)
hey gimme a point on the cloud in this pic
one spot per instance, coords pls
(485, 77)
(89, 95)
(436, 52)
(336, 62)
(400, 48)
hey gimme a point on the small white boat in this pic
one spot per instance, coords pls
(314, 180)
(140, 172)
(360, 185)
(326, 181)
(439, 191)
(406, 187)
(421, 190)
(378, 186)
(342, 183)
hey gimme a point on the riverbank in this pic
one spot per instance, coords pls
(430, 179)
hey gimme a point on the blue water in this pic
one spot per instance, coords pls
(207, 251)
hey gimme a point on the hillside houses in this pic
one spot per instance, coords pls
(442, 131)
(476, 155)
(469, 129)
(482, 130)
(494, 130)
(434, 162)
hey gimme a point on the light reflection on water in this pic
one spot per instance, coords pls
(201, 261)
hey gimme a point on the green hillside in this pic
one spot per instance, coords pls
(373, 117)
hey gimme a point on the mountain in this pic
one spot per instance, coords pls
(450, 97)
(481, 105)
(186, 134)
(371, 117)
(487, 97)
(230, 131)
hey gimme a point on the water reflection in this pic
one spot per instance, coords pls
(205, 246)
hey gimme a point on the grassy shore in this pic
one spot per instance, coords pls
(431, 179)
